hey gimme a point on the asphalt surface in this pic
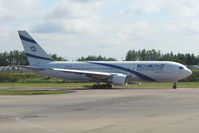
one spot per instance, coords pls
(103, 111)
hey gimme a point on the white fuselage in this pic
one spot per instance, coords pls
(135, 70)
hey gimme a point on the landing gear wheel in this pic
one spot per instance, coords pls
(103, 86)
(109, 86)
(175, 85)
(95, 86)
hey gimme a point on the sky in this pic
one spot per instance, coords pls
(76, 28)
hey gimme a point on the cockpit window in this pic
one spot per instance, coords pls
(181, 68)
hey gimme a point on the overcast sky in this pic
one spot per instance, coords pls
(75, 28)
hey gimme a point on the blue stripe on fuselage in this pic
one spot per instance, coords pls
(39, 57)
(125, 69)
(27, 39)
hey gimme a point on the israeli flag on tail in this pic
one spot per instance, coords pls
(36, 55)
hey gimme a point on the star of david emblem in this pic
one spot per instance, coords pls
(33, 49)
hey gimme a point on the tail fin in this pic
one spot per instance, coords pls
(35, 54)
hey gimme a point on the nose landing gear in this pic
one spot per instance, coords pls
(174, 84)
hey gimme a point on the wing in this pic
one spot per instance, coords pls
(91, 74)
(99, 76)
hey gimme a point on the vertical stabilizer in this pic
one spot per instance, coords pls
(35, 54)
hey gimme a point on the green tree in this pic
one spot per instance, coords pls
(95, 58)
(55, 57)
(131, 55)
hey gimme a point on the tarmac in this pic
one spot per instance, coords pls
(103, 111)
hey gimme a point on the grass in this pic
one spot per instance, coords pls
(28, 88)
(44, 85)
(82, 85)
(31, 92)
(25, 77)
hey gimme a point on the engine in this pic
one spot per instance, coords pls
(119, 79)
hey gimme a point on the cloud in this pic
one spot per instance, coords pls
(146, 6)
(48, 27)
(11, 9)
(183, 8)
(179, 8)
(74, 9)
(75, 28)
(81, 24)
(70, 16)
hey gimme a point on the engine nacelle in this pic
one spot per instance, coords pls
(119, 79)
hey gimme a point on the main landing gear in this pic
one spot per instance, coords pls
(174, 84)
(103, 86)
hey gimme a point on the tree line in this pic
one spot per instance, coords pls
(153, 55)
(96, 58)
(19, 57)
(13, 58)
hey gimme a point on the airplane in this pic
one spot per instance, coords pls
(108, 72)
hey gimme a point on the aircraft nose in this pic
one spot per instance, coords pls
(188, 72)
